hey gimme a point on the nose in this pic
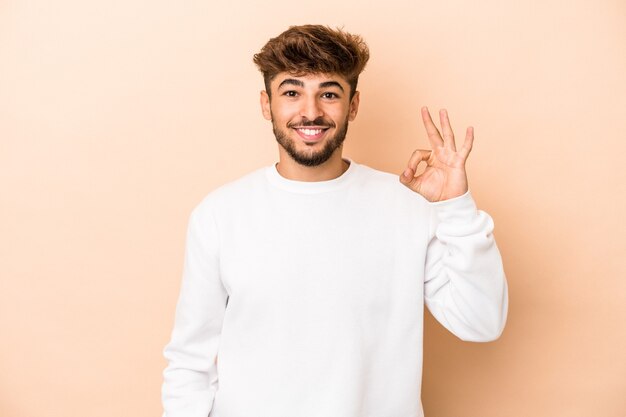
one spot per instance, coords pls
(311, 108)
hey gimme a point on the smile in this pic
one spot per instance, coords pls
(311, 134)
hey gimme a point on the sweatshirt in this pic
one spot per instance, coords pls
(306, 299)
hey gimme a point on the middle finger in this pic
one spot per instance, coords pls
(448, 135)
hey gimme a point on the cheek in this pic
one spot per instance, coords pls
(279, 113)
(341, 116)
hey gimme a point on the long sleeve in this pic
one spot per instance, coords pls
(465, 286)
(190, 379)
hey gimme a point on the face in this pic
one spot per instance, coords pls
(310, 115)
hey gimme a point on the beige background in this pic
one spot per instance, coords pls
(117, 117)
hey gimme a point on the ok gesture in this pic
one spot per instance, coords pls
(444, 176)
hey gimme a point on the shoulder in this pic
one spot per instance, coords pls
(385, 182)
(376, 177)
(385, 198)
(384, 189)
(234, 193)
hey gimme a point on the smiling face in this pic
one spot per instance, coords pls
(310, 116)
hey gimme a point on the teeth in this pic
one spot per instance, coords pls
(311, 132)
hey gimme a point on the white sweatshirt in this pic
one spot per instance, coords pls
(305, 299)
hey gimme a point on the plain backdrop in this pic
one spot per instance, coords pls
(117, 117)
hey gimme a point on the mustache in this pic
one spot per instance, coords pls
(319, 121)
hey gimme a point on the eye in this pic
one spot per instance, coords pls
(290, 93)
(330, 95)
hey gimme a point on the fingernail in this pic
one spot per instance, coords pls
(407, 172)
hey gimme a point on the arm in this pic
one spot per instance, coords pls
(190, 379)
(465, 287)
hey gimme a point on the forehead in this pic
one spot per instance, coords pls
(314, 80)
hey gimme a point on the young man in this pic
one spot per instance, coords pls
(304, 282)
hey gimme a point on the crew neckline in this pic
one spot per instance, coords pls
(311, 187)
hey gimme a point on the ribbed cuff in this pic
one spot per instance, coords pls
(458, 209)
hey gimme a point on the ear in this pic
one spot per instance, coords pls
(265, 105)
(354, 106)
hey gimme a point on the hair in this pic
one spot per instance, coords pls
(313, 49)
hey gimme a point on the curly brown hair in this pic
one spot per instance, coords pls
(313, 49)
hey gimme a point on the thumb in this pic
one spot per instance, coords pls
(408, 177)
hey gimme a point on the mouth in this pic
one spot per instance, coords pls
(311, 134)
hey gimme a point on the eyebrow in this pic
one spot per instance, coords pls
(291, 81)
(331, 84)
(298, 83)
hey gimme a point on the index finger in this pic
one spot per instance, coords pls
(433, 133)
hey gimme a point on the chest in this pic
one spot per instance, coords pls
(322, 249)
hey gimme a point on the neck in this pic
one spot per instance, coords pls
(331, 169)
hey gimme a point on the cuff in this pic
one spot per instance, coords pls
(457, 209)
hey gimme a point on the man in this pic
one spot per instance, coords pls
(304, 282)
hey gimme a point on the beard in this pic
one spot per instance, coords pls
(312, 158)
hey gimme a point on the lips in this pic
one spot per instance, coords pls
(311, 134)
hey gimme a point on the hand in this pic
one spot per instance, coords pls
(444, 176)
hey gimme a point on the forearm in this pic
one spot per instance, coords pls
(465, 284)
(190, 379)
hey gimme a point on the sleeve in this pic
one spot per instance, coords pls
(465, 287)
(190, 380)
